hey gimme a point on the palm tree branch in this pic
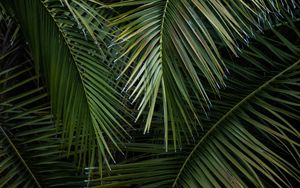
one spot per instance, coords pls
(230, 112)
(76, 65)
(172, 50)
(20, 157)
(82, 97)
(66, 42)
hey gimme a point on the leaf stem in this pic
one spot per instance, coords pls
(228, 114)
(20, 157)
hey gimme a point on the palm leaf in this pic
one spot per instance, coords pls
(173, 53)
(68, 46)
(235, 141)
(13, 165)
(30, 146)
(251, 137)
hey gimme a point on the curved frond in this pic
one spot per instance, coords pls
(173, 53)
(67, 40)
(14, 169)
(243, 138)
(30, 146)
(145, 173)
(250, 138)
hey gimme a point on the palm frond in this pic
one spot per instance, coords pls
(67, 40)
(250, 137)
(173, 53)
(159, 173)
(30, 146)
(14, 169)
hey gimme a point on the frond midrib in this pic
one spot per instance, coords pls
(162, 29)
(232, 110)
(70, 52)
(20, 157)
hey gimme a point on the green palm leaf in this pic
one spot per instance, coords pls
(174, 57)
(251, 132)
(13, 165)
(219, 147)
(68, 46)
(175, 60)
(30, 146)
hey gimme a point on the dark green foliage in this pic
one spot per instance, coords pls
(149, 93)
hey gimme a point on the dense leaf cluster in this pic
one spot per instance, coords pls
(149, 93)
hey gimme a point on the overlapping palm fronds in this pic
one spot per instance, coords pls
(30, 145)
(68, 46)
(251, 136)
(217, 79)
(173, 49)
